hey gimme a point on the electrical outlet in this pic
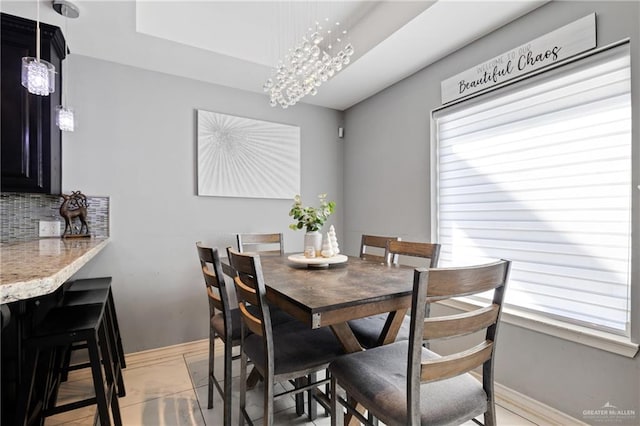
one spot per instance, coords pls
(49, 228)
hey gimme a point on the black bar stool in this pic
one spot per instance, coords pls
(62, 327)
(98, 296)
(98, 284)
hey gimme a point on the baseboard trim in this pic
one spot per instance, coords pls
(168, 352)
(531, 409)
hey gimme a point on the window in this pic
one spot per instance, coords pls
(540, 173)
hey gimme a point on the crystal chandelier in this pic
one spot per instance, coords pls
(38, 75)
(65, 116)
(315, 59)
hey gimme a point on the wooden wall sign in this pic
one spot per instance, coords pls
(576, 37)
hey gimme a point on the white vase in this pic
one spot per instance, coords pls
(313, 239)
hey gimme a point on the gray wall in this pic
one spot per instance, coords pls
(386, 191)
(136, 142)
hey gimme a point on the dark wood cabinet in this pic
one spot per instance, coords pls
(31, 141)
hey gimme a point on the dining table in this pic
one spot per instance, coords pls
(333, 293)
(330, 293)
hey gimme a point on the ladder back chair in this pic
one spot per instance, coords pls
(290, 352)
(379, 244)
(429, 251)
(369, 330)
(224, 322)
(263, 244)
(405, 383)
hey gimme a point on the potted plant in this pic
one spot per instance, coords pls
(312, 219)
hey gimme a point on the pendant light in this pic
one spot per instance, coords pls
(319, 54)
(65, 116)
(38, 75)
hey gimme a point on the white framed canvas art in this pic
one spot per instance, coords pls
(243, 157)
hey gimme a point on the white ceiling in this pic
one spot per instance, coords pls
(233, 43)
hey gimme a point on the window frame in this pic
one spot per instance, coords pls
(623, 345)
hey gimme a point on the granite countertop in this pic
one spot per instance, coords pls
(38, 267)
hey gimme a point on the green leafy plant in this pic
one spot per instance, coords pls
(311, 218)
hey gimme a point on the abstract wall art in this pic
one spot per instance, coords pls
(243, 157)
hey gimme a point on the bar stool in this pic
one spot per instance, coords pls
(98, 284)
(63, 327)
(98, 296)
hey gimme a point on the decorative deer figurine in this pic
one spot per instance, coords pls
(74, 206)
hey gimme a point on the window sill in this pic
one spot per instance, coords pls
(620, 345)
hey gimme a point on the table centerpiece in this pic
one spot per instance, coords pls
(311, 219)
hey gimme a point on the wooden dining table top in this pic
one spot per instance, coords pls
(323, 296)
(333, 295)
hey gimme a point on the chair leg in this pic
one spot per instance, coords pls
(66, 363)
(337, 415)
(299, 397)
(98, 382)
(53, 380)
(327, 391)
(110, 365)
(243, 387)
(116, 329)
(490, 414)
(227, 397)
(312, 406)
(114, 354)
(487, 384)
(212, 351)
(268, 398)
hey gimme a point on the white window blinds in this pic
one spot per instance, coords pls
(540, 174)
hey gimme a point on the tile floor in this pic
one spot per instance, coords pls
(168, 387)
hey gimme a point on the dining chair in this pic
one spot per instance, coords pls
(264, 244)
(369, 330)
(224, 322)
(290, 352)
(379, 244)
(404, 383)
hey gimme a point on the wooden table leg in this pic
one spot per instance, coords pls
(350, 344)
(392, 327)
(346, 337)
(253, 379)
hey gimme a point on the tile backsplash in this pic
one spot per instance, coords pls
(20, 215)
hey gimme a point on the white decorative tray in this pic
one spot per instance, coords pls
(317, 261)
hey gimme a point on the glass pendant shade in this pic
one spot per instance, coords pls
(65, 118)
(38, 76)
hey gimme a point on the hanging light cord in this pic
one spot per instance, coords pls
(38, 30)
(64, 65)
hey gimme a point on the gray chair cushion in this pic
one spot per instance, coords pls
(296, 348)
(377, 379)
(367, 330)
(217, 323)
